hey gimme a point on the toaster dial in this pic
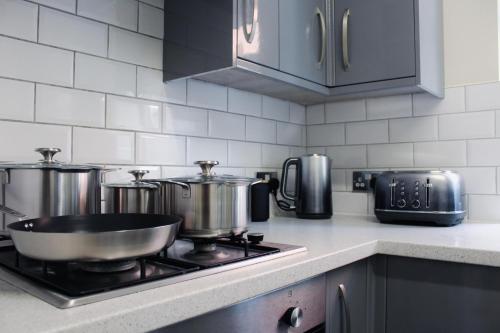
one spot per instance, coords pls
(401, 203)
(408, 193)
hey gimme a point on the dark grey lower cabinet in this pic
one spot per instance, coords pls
(356, 297)
(438, 297)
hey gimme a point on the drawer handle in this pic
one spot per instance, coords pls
(248, 33)
(345, 306)
(322, 24)
(345, 39)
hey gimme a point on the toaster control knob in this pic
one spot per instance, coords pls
(415, 204)
(401, 203)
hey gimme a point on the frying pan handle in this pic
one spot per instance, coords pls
(12, 212)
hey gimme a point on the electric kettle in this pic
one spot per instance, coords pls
(313, 188)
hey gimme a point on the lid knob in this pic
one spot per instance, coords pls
(138, 174)
(206, 167)
(48, 154)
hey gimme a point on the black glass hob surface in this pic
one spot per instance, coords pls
(75, 279)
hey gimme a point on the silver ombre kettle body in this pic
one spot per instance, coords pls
(313, 187)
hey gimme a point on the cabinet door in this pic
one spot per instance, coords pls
(347, 299)
(374, 40)
(433, 297)
(303, 39)
(258, 32)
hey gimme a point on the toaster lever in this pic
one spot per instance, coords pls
(393, 192)
(428, 187)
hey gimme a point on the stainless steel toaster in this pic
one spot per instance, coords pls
(420, 197)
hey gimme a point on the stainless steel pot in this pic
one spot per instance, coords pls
(211, 206)
(134, 197)
(49, 188)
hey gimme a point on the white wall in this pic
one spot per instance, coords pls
(88, 79)
(471, 41)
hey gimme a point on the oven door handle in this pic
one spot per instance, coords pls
(345, 307)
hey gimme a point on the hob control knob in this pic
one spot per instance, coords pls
(255, 238)
(293, 317)
(401, 203)
(415, 204)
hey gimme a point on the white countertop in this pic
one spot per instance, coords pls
(331, 244)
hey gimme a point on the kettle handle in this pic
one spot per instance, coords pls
(284, 176)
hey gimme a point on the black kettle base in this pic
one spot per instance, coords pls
(314, 216)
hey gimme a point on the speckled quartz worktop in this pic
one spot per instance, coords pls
(331, 244)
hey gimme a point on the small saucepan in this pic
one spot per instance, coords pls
(94, 238)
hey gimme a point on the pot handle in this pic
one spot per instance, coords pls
(258, 181)
(184, 186)
(4, 176)
(12, 212)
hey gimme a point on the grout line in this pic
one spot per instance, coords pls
(34, 102)
(74, 70)
(38, 23)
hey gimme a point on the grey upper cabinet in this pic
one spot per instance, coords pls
(303, 39)
(258, 32)
(373, 40)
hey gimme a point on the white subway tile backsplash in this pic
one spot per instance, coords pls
(16, 100)
(206, 149)
(150, 85)
(179, 171)
(160, 149)
(453, 102)
(344, 111)
(19, 140)
(114, 147)
(273, 156)
(206, 95)
(130, 47)
(297, 114)
(444, 154)
(243, 102)
(298, 151)
(150, 21)
(483, 152)
(18, 19)
(413, 129)
(339, 180)
(260, 130)
(122, 13)
(467, 125)
(350, 203)
(347, 156)
(133, 114)
(326, 135)
(104, 75)
(484, 207)
(483, 96)
(244, 154)
(226, 125)
(316, 150)
(479, 180)
(65, 5)
(367, 132)
(389, 107)
(397, 155)
(156, 3)
(78, 34)
(315, 114)
(180, 119)
(274, 108)
(32, 62)
(69, 106)
(289, 134)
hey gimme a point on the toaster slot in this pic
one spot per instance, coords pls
(428, 187)
(392, 186)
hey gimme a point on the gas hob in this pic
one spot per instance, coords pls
(70, 284)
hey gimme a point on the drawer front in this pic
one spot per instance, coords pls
(264, 313)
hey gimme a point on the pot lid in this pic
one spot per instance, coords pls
(136, 183)
(209, 177)
(48, 162)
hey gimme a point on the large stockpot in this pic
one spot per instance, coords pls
(212, 206)
(49, 188)
(134, 197)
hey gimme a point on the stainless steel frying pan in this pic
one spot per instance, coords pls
(102, 237)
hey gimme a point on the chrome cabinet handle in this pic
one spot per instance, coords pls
(345, 39)
(347, 314)
(248, 34)
(322, 24)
